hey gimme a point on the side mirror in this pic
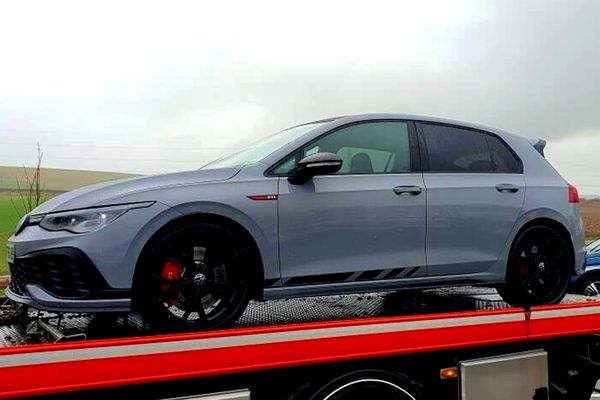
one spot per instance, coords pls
(313, 165)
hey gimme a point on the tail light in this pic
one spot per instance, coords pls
(573, 194)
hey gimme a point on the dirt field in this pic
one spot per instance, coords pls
(58, 180)
(590, 212)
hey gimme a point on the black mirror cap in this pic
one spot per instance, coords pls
(313, 165)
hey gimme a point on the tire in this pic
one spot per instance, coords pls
(375, 384)
(538, 269)
(589, 284)
(194, 277)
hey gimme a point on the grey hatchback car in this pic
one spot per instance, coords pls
(352, 204)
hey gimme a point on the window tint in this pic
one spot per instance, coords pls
(452, 149)
(504, 160)
(456, 150)
(369, 148)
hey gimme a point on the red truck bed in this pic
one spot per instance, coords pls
(280, 334)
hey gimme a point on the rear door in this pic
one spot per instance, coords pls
(475, 192)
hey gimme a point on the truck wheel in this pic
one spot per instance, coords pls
(369, 384)
(196, 279)
(539, 268)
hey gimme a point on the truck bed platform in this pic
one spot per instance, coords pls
(122, 350)
(271, 313)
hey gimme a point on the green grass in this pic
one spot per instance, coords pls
(8, 220)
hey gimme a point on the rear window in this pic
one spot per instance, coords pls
(502, 157)
(452, 149)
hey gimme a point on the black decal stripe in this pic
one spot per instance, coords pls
(271, 282)
(412, 272)
(315, 279)
(394, 273)
(369, 275)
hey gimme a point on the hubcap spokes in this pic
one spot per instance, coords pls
(593, 289)
(204, 287)
(541, 265)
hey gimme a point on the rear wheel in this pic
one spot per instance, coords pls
(539, 268)
(195, 277)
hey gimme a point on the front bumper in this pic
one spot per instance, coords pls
(40, 299)
(67, 272)
(63, 279)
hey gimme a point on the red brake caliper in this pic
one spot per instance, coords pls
(171, 272)
(523, 271)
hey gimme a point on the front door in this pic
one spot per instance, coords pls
(366, 222)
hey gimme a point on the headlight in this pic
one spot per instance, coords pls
(83, 221)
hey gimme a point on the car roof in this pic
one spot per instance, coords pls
(340, 120)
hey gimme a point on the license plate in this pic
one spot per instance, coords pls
(10, 253)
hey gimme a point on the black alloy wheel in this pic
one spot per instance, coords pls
(198, 279)
(539, 268)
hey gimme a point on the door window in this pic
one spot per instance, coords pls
(368, 148)
(452, 149)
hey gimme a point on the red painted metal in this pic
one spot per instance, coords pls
(56, 377)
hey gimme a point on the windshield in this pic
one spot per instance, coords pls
(594, 247)
(259, 150)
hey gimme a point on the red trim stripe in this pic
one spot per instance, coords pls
(263, 197)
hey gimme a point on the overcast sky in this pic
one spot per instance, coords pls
(148, 87)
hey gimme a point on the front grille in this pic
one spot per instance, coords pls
(17, 280)
(55, 273)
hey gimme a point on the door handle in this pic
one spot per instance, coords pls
(411, 190)
(507, 187)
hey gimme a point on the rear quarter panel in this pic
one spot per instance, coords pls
(546, 197)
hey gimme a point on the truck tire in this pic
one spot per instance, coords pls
(365, 384)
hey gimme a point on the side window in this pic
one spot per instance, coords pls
(453, 149)
(368, 148)
(504, 160)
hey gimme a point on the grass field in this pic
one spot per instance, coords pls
(8, 220)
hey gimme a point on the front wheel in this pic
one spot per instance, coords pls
(195, 277)
(539, 268)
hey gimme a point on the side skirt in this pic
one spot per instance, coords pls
(327, 289)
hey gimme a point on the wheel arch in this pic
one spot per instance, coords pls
(551, 222)
(231, 224)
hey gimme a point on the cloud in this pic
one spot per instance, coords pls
(576, 158)
(132, 83)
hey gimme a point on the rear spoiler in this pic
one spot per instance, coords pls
(539, 145)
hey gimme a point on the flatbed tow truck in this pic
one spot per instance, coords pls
(455, 343)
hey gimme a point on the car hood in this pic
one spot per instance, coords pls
(109, 192)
